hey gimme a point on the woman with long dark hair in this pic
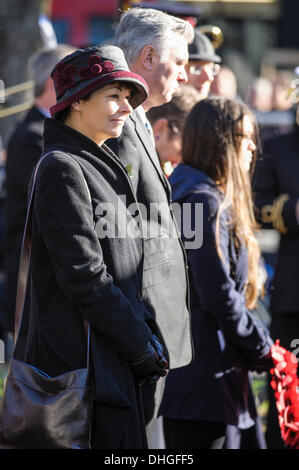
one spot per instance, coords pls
(219, 143)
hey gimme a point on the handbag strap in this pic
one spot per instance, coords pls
(25, 264)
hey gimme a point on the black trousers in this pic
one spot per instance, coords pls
(191, 434)
(251, 438)
(284, 327)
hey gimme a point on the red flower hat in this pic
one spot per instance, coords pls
(86, 70)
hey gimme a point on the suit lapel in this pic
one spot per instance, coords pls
(149, 147)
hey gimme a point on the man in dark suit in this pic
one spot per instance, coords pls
(24, 149)
(276, 185)
(156, 47)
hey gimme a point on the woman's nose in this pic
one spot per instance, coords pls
(126, 107)
(252, 145)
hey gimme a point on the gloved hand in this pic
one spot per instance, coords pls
(264, 364)
(160, 351)
(151, 364)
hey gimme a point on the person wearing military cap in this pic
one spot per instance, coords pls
(276, 189)
(203, 64)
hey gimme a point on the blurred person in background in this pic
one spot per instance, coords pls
(271, 101)
(47, 32)
(282, 99)
(168, 122)
(225, 84)
(155, 45)
(2, 153)
(260, 99)
(276, 189)
(203, 65)
(260, 95)
(24, 149)
(203, 398)
(284, 111)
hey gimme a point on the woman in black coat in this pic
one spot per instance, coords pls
(87, 249)
(213, 186)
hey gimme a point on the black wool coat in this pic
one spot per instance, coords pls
(276, 186)
(79, 273)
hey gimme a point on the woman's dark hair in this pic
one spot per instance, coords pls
(212, 133)
(211, 142)
(66, 111)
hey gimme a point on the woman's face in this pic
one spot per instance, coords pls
(103, 115)
(247, 144)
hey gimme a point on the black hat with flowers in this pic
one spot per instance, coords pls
(87, 70)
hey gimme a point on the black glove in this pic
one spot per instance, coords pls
(264, 364)
(151, 365)
(160, 351)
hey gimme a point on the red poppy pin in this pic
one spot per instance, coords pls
(96, 66)
(64, 77)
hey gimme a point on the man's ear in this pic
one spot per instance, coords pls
(148, 57)
(160, 128)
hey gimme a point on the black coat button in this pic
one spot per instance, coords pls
(140, 297)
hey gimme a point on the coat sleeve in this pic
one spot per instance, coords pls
(64, 218)
(275, 210)
(216, 288)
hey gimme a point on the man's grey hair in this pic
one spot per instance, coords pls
(139, 27)
(42, 63)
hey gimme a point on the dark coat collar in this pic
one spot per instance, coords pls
(58, 136)
(34, 114)
(187, 179)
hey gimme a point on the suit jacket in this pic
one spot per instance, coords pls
(24, 150)
(276, 188)
(227, 338)
(83, 268)
(165, 280)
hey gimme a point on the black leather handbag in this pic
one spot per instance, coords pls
(38, 411)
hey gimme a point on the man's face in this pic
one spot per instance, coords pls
(201, 75)
(167, 75)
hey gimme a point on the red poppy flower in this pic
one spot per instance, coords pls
(96, 66)
(285, 384)
(64, 77)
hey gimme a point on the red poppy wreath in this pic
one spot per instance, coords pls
(285, 384)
